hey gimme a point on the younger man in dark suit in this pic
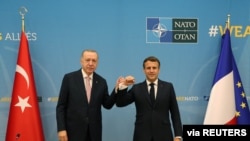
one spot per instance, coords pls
(152, 113)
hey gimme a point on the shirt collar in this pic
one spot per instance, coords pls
(155, 82)
(85, 75)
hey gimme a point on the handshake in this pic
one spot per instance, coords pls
(128, 80)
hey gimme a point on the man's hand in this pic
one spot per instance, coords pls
(119, 81)
(124, 82)
(129, 80)
(62, 135)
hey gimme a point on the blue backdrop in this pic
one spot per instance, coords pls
(58, 31)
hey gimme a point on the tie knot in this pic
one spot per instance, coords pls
(87, 77)
(152, 84)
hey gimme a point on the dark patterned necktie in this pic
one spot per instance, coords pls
(152, 92)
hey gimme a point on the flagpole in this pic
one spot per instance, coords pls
(22, 12)
(228, 21)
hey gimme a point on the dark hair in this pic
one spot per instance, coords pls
(152, 59)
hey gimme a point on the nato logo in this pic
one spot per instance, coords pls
(171, 30)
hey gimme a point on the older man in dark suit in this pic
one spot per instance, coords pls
(155, 102)
(82, 94)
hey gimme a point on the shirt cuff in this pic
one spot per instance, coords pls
(179, 137)
(122, 86)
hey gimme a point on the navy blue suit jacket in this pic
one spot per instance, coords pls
(153, 121)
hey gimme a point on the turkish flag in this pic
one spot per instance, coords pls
(24, 121)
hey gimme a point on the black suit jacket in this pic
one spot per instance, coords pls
(73, 112)
(153, 121)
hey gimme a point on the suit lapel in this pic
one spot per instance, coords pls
(159, 89)
(80, 84)
(94, 85)
(158, 94)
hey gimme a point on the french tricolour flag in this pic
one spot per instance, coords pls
(227, 104)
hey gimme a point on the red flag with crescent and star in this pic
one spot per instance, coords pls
(24, 122)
